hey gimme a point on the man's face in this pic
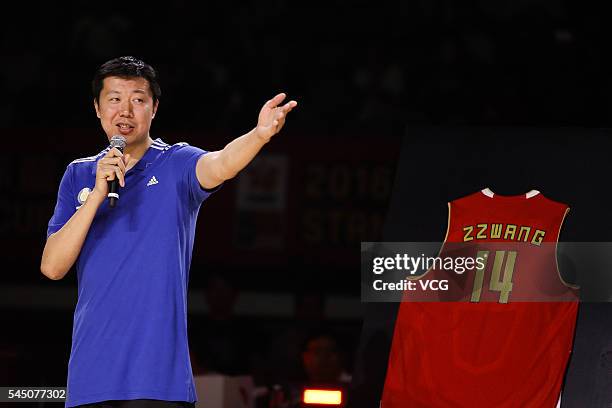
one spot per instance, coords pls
(126, 108)
(321, 360)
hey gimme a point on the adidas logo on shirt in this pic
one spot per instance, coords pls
(152, 181)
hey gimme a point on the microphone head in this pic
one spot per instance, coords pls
(119, 142)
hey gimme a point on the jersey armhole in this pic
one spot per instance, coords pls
(569, 285)
(448, 222)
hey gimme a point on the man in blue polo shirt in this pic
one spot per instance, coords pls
(129, 340)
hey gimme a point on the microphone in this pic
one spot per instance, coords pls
(119, 142)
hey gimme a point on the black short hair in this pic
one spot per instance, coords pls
(125, 67)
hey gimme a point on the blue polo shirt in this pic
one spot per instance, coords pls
(129, 338)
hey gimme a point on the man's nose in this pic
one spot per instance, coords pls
(126, 109)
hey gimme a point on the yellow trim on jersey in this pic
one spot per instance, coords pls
(448, 222)
(569, 285)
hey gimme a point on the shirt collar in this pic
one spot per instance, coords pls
(148, 158)
(150, 155)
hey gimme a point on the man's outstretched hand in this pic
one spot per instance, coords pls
(272, 116)
(216, 167)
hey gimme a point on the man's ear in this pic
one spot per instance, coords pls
(97, 108)
(155, 109)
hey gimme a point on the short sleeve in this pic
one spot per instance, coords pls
(64, 207)
(188, 156)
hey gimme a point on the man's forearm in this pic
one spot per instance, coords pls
(237, 154)
(63, 247)
(216, 167)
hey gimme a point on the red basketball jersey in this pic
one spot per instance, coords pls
(494, 349)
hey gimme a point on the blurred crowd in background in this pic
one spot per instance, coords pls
(354, 67)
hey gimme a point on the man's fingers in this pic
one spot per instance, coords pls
(110, 172)
(120, 177)
(285, 109)
(273, 103)
(278, 98)
(273, 116)
(288, 106)
(110, 160)
(121, 165)
(107, 172)
(114, 161)
(114, 152)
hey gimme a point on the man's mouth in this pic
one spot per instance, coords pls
(125, 128)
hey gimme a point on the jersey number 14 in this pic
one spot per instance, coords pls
(499, 283)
